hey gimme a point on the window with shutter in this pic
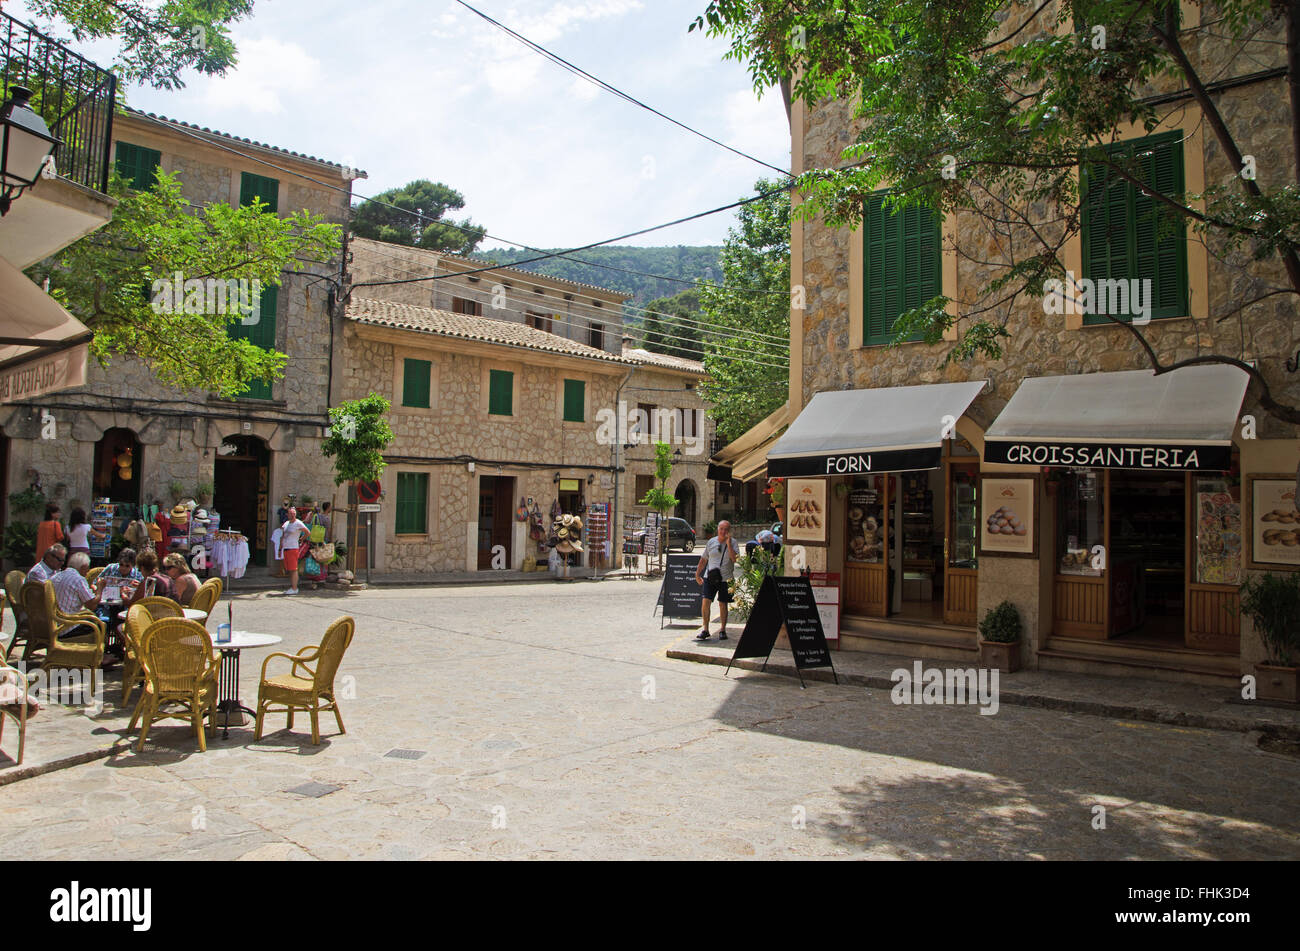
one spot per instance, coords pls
(260, 334)
(412, 503)
(266, 190)
(1128, 235)
(901, 265)
(137, 165)
(501, 395)
(415, 382)
(575, 401)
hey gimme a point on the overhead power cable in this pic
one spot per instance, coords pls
(601, 84)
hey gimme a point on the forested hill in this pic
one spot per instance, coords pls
(685, 263)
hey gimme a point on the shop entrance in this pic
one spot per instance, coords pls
(119, 459)
(1148, 534)
(496, 509)
(241, 481)
(686, 501)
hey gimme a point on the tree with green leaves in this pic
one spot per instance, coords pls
(157, 41)
(749, 367)
(108, 281)
(659, 498)
(422, 220)
(670, 325)
(1002, 114)
(357, 437)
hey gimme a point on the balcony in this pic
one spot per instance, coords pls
(76, 99)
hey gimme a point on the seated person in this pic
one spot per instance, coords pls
(769, 541)
(156, 583)
(184, 582)
(73, 593)
(124, 571)
(49, 565)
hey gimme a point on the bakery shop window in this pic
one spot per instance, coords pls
(865, 539)
(1080, 521)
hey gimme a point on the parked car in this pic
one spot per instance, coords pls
(680, 535)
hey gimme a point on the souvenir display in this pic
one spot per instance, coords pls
(1218, 537)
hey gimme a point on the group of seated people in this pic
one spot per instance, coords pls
(137, 577)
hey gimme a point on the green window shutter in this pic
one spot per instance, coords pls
(575, 401)
(415, 382)
(901, 265)
(501, 386)
(137, 164)
(260, 334)
(267, 190)
(1131, 236)
(412, 503)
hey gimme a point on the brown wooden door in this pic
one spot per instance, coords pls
(495, 518)
(866, 586)
(960, 584)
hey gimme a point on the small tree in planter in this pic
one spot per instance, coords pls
(1272, 602)
(1000, 631)
(659, 498)
(357, 437)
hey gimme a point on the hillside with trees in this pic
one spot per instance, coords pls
(680, 262)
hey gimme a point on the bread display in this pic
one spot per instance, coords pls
(1006, 522)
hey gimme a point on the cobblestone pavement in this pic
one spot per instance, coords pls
(552, 725)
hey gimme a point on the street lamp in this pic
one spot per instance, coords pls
(25, 143)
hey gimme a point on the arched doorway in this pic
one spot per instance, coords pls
(687, 498)
(241, 480)
(119, 458)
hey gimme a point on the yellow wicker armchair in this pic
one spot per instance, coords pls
(179, 667)
(13, 594)
(205, 599)
(14, 703)
(47, 624)
(92, 574)
(313, 692)
(138, 619)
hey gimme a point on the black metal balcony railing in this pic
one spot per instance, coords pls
(73, 95)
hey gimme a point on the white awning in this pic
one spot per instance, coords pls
(746, 455)
(43, 348)
(1132, 419)
(890, 429)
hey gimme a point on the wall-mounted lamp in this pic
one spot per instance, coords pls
(591, 479)
(556, 478)
(25, 144)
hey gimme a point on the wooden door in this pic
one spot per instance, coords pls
(960, 584)
(503, 505)
(866, 586)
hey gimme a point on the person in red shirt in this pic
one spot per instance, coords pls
(49, 530)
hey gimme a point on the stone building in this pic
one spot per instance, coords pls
(253, 450)
(1118, 511)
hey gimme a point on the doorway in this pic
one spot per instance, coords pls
(1148, 556)
(495, 521)
(686, 501)
(119, 459)
(241, 483)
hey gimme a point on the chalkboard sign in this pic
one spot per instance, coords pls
(787, 602)
(679, 595)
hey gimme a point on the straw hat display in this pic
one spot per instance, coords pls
(567, 532)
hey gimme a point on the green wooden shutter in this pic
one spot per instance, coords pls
(1131, 236)
(575, 401)
(901, 266)
(257, 186)
(412, 503)
(415, 382)
(136, 164)
(501, 386)
(260, 334)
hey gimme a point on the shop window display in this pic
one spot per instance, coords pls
(1080, 521)
(865, 539)
(1218, 531)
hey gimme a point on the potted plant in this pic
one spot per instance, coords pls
(203, 493)
(1272, 602)
(1000, 630)
(176, 489)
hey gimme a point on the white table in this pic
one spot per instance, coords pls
(229, 707)
(194, 614)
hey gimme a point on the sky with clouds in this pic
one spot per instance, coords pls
(408, 89)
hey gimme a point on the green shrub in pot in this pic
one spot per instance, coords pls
(1272, 602)
(1001, 625)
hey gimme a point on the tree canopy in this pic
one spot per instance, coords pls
(671, 325)
(421, 221)
(107, 280)
(989, 110)
(749, 368)
(158, 41)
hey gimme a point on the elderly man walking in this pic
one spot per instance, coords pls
(716, 569)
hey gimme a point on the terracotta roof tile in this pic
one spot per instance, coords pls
(383, 313)
(650, 358)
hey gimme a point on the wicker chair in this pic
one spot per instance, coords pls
(179, 667)
(92, 574)
(205, 599)
(16, 680)
(13, 594)
(138, 619)
(293, 692)
(47, 624)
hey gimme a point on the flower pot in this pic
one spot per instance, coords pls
(1277, 683)
(1000, 655)
(780, 512)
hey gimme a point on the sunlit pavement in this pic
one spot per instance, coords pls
(546, 721)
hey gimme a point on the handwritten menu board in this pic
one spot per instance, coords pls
(789, 604)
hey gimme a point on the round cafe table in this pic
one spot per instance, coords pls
(194, 614)
(229, 708)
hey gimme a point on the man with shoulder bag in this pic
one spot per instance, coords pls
(715, 572)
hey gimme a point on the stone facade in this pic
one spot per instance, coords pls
(827, 352)
(179, 432)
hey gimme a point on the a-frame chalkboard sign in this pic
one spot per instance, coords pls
(679, 595)
(788, 602)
